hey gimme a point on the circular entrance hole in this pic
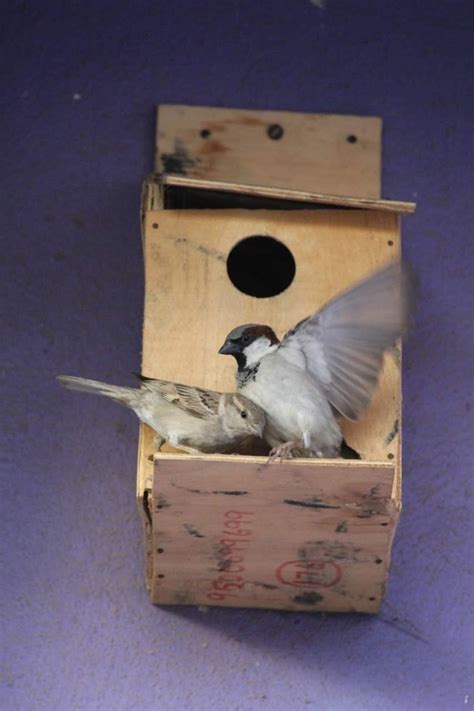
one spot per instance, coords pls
(261, 266)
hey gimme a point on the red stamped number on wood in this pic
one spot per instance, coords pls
(233, 548)
(309, 573)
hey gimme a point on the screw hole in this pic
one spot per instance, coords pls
(205, 133)
(390, 242)
(378, 561)
(390, 455)
(160, 550)
(261, 266)
(275, 131)
(384, 524)
(160, 575)
(370, 598)
(155, 225)
(351, 138)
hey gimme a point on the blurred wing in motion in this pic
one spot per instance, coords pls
(343, 343)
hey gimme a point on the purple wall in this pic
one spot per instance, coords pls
(78, 108)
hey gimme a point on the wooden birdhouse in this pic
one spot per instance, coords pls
(262, 217)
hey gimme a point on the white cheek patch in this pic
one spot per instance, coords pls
(256, 350)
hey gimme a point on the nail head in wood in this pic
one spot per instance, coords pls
(275, 131)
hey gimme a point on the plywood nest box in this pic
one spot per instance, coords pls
(304, 190)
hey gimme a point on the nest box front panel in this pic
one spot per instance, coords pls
(291, 537)
(193, 297)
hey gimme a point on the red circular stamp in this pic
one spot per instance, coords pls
(309, 573)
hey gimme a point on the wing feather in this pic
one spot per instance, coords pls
(195, 401)
(344, 342)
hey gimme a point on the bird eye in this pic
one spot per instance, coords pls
(243, 414)
(246, 338)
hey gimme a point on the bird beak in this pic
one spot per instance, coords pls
(229, 348)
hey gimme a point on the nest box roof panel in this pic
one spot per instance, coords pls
(319, 153)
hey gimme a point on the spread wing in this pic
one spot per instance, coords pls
(342, 345)
(195, 401)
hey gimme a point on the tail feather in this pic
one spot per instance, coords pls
(126, 396)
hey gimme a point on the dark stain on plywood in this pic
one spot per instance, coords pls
(331, 550)
(203, 492)
(193, 531)
(392, 434)
(211, 151)
(213, 147)
(230, 493)
(223, 565)
(310, 503)
(161, 502)
(146, 504)
(266, 586)
(190, 491)
(207, 251)
(179, 161)
(374, 505)
(308, 598)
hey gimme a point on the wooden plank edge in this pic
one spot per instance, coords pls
(404, 208)
(266, 112)
(251, 459)
(271, 607)
(397, 480)
(144, 466)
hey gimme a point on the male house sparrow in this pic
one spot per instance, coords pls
(189, 418)
(325, 366)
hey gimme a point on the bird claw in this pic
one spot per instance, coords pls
(283, 451)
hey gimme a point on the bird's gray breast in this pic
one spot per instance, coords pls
(247, 375)
(295, 405)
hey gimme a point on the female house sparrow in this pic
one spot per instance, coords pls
(189, 418)
(327, 365)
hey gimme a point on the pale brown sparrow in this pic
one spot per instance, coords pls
(192, 419)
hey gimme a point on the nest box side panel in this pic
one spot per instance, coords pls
(191, 304)
(324, 153)
(290, 537)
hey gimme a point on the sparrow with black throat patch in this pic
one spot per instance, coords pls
(189, 418)
(325, 367)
